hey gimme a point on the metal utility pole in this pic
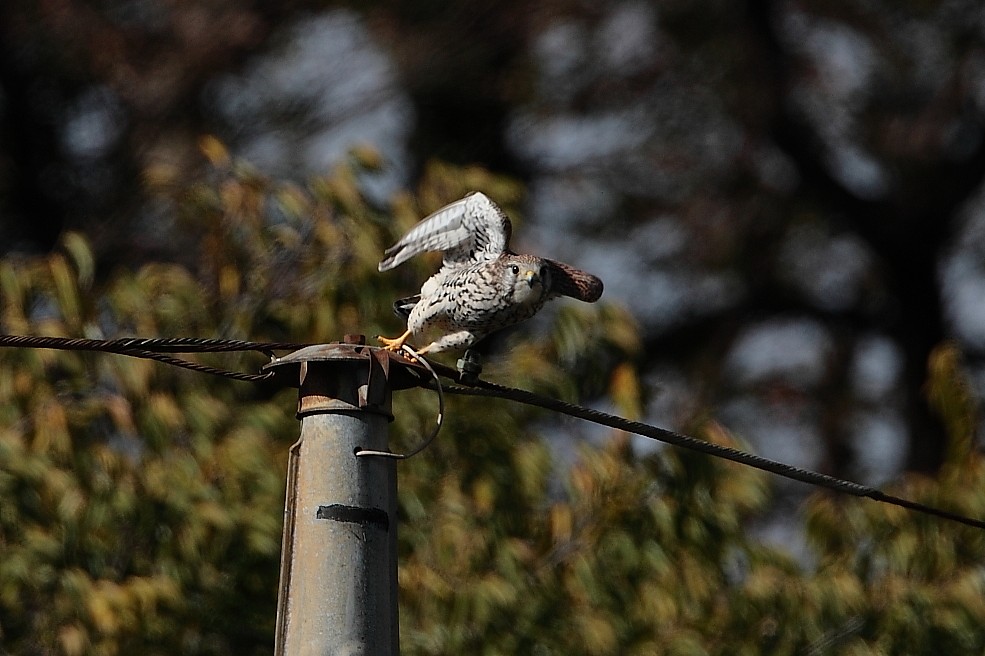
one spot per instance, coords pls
(338, 587)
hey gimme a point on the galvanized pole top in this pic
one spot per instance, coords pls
(338, 590)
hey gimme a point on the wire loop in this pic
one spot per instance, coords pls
(437, 426)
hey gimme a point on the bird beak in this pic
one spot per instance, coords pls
(532, 277)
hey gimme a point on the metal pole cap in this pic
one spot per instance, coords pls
(325, 375)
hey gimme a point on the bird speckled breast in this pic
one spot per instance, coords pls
(476, 298)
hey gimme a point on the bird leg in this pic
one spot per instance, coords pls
(452, 341)
(394, 344)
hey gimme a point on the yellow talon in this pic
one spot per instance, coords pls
(394, 344)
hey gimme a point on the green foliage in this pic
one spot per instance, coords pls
(141, 505)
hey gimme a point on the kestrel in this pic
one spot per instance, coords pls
(482, 286)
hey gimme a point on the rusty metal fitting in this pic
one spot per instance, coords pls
(361, 376)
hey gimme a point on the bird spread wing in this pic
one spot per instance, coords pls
(468, 230)
(569, 281)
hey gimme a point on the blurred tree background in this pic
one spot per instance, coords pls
(784, 198)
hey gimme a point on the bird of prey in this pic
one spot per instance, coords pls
(482, 286)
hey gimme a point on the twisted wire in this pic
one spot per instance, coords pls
(161, 350)
(156, 344)
(195, 366)
(817, 479)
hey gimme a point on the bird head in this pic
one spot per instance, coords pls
(529, 277)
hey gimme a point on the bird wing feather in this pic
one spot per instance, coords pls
(471, 229)
(566, 280)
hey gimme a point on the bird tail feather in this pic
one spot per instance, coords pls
(403, 306)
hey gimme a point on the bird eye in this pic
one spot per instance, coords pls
(515, 269)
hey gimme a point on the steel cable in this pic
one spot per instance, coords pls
(489, 389)
(160, 350)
